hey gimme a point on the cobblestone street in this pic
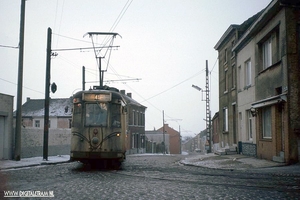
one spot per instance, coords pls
(151, 177)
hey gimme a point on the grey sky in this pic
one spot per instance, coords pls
(164, 43)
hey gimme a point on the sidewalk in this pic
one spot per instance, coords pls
(211, 160)
(237, 162)
(35, 161)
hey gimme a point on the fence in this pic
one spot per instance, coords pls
(248, 149)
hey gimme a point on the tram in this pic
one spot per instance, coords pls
(99, 126)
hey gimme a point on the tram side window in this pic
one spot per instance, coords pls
(96, 114)
(116, 115)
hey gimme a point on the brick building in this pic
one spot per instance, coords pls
(174, 139)
(136, 142)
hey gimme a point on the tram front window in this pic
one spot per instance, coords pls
(96, 114)
(116, 115)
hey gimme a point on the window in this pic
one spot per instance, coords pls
(240, 78)
(143, 119)
(37, 123)
(96, 114)
(226, 81)
(233, 77)
(225, 56)
(115, 115)
(266, 122)
(133, 117)
(225, 119)
(232, 45)
(267, 53)
(136, 118)
(248, 73)
(250, 133)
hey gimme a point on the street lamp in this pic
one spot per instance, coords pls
(196, 87)
(208, 117)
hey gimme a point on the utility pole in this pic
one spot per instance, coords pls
(83, 78)
(164, 132)
(47, 96)
(180, 140)
(208, 135)
(17, 153)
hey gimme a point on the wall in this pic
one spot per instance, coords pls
(32, 142)
(227, 91)
(293, 63)
(246, 94)
(6, 126)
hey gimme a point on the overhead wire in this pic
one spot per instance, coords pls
(7, 46)
(56, 11)
(176, 84)
(23, 86)
(120, 16)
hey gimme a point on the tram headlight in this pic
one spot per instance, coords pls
(95, 140)
(76, 100)
(118, 134)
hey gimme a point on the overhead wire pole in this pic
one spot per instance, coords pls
(47, 95)
(207, 110)
(208, 134)
(17, 153)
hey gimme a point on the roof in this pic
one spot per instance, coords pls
(132, 101)
(260, 21)
(240, 28)
(114, 91)
(61, 107)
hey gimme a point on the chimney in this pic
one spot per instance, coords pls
(28, 99)
(122, 91)
(129, 95)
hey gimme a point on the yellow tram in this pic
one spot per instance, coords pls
(99, 126)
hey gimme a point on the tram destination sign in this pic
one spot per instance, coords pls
(96, 97)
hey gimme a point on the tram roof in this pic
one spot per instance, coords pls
(115, 92)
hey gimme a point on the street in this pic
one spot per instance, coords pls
(150, 177)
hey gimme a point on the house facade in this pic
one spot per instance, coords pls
(136, 141)
(6, 126)
(227, 88)
(32, 127)
(266, 55)
(245, 60)
(174, 138)
(60, 113)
